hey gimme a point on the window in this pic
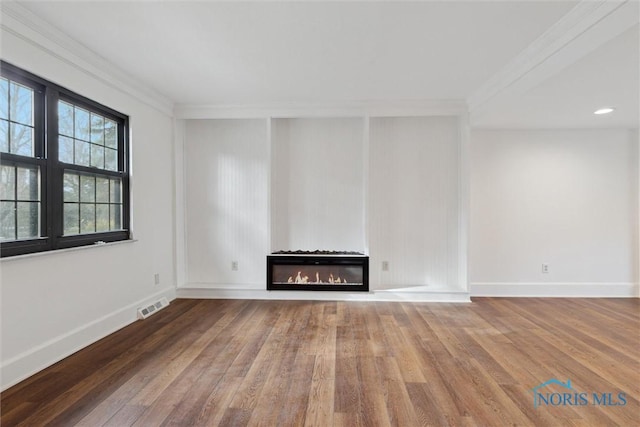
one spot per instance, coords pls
(63, 167)
(92, 201)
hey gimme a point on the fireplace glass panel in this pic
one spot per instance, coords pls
(342, 273)
(318, 274)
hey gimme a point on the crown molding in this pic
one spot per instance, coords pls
(442, 107)
(584, 28)
(24, 24)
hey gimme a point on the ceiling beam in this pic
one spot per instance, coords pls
(446, 107)
(583, 29)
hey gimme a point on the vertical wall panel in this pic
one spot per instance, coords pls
(635, 137)
(227, 201)
(413, 207)
(317, 184)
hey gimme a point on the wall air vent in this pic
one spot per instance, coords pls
(144, 312)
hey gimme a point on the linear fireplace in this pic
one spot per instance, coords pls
(318, 271)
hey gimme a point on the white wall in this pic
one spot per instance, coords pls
(318, 184)
(568, 198)
(227, 198)
(55, 303)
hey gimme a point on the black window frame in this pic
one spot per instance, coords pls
(46, 97)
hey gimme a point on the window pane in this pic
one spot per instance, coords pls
(21, 140)
(102, 217)
(4, 99)
(4, 136)
(87, 218)
(110, 159)
(115, 217)
(97, 156)
(71, 187)
(27, 184)
(65, 149)
(65, 119)
(7, 182)
(116, 191)
(81, 170)
(87, 189)
(110, 134)
(102, 190)
(21, 104)
(82, 123)
(71, 218)
(7, 221)
(28, 220)
(97, 129)
(83, 153)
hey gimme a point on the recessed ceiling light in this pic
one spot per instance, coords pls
(605, 110)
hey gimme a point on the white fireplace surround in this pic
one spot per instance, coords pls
(390, 186)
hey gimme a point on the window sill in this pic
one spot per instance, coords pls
(61, 251)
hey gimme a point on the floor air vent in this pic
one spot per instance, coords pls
(147, 311)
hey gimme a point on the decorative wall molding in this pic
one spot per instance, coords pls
(22, 23)
(464, 195)
(448, 107)
(213, 266)
(561, 45)
(560, 290)
(180, 200)
(22, 366)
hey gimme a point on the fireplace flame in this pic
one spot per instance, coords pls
(305, 279)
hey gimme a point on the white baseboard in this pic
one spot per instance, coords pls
(557, 290)
(30, 362)
(406, 294)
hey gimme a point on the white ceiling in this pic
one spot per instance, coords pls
(275, 53)
(607, 76)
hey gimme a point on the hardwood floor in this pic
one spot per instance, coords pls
(297, 363)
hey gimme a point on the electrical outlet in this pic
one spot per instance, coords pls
(545, 268)
(234, 265)
(385, 265)
(156, 278)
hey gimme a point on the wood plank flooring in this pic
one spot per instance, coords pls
(302, 363)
